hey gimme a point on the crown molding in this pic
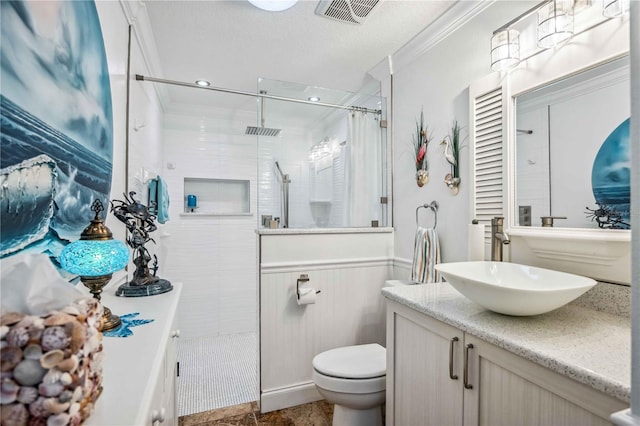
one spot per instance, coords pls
(136, 14)
(445, 25)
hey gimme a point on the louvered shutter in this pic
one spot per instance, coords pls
(488, 154)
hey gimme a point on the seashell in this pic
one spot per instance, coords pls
(10, 318)
(33, 351)
(65, 379)
(54, 338)
(36, 408)
(14, 415)
(9, 358)
(6, 375)
(29, 372)
(27, 394)
(59, 318)
(52, 376)
(17, 336)
(65, 396)
(50, 389)
(31, 321)
(74, 408)
(37, 421)
(60, 419)
(77, 394)
(8, 391)
(54, 406)
(71, 310)
(78, 334)
(76, 420)
(4, 329)
(51, 358)
(3, 344)
(69, 364)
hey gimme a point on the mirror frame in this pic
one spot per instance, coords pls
(601, 254)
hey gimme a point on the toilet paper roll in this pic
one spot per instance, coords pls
(475, 242)
(306, 296)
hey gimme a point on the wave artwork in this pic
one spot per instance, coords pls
(611, 173)
(56, 123)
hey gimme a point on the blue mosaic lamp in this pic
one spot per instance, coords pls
(95, 257)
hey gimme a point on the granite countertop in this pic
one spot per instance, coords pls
(588, 346)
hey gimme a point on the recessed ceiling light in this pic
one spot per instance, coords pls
(313, 98)
(203, 83)
(273, 5)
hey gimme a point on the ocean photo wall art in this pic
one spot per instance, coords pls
(56, 123)
(611, 180)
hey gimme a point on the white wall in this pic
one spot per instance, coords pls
(214, 256)
(438, 81)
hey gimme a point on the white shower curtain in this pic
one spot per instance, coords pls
(364, 176)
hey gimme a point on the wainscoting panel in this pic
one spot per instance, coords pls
(349, 310)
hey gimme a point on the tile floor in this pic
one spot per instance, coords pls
(317, 413)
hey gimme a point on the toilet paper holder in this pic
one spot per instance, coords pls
(304, 278)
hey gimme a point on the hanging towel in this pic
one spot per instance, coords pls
(159, 199)
(163, 201)
(426, 253)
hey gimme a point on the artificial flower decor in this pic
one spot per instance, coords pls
(420, 143)
(452, 154)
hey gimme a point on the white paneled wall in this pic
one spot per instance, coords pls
(349, 270)
(214, 256)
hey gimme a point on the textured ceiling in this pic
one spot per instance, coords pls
(232, 44)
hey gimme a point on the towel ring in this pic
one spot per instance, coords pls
(434, 207)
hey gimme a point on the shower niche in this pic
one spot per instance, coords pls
(326, 168)
(216, 197)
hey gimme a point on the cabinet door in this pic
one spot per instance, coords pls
(420, 390)
(510, 390)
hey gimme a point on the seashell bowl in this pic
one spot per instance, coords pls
(51, 365)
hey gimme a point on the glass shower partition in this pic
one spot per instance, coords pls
(320, 166)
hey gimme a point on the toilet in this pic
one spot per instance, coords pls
(354, 379)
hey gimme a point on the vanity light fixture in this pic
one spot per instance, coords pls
(273, 5)
(203, 83)
(505, 49)
(615, 8)
(313, 98)
(555, 23)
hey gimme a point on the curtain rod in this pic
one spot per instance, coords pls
(256, 95)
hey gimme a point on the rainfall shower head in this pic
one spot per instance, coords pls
(262, 131)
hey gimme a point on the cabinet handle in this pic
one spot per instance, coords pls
(175, 333)
(466, 367)
(451, 375)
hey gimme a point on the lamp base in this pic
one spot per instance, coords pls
(109, 320)
(157, 287)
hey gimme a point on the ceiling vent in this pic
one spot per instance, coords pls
(351, 11)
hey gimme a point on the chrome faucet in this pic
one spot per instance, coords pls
(498, 238)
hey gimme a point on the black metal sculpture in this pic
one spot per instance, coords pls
(606, 217)
(140, 223)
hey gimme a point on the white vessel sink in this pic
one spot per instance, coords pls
(513, 289)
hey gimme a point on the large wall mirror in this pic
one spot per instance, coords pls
(565, 129)
(572, 167)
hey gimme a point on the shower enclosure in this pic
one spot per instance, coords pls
(310, 165)
(334, 153)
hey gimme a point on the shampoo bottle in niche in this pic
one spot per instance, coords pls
(192, 203)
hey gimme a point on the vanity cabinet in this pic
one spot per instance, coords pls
(439, 375)
(139, 371)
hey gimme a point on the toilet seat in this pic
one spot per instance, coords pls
(351, 369)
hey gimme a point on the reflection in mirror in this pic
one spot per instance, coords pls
(572, 151)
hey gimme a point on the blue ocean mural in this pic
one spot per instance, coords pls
(56, 123)
(611, 179)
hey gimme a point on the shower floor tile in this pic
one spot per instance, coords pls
(216, 372)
